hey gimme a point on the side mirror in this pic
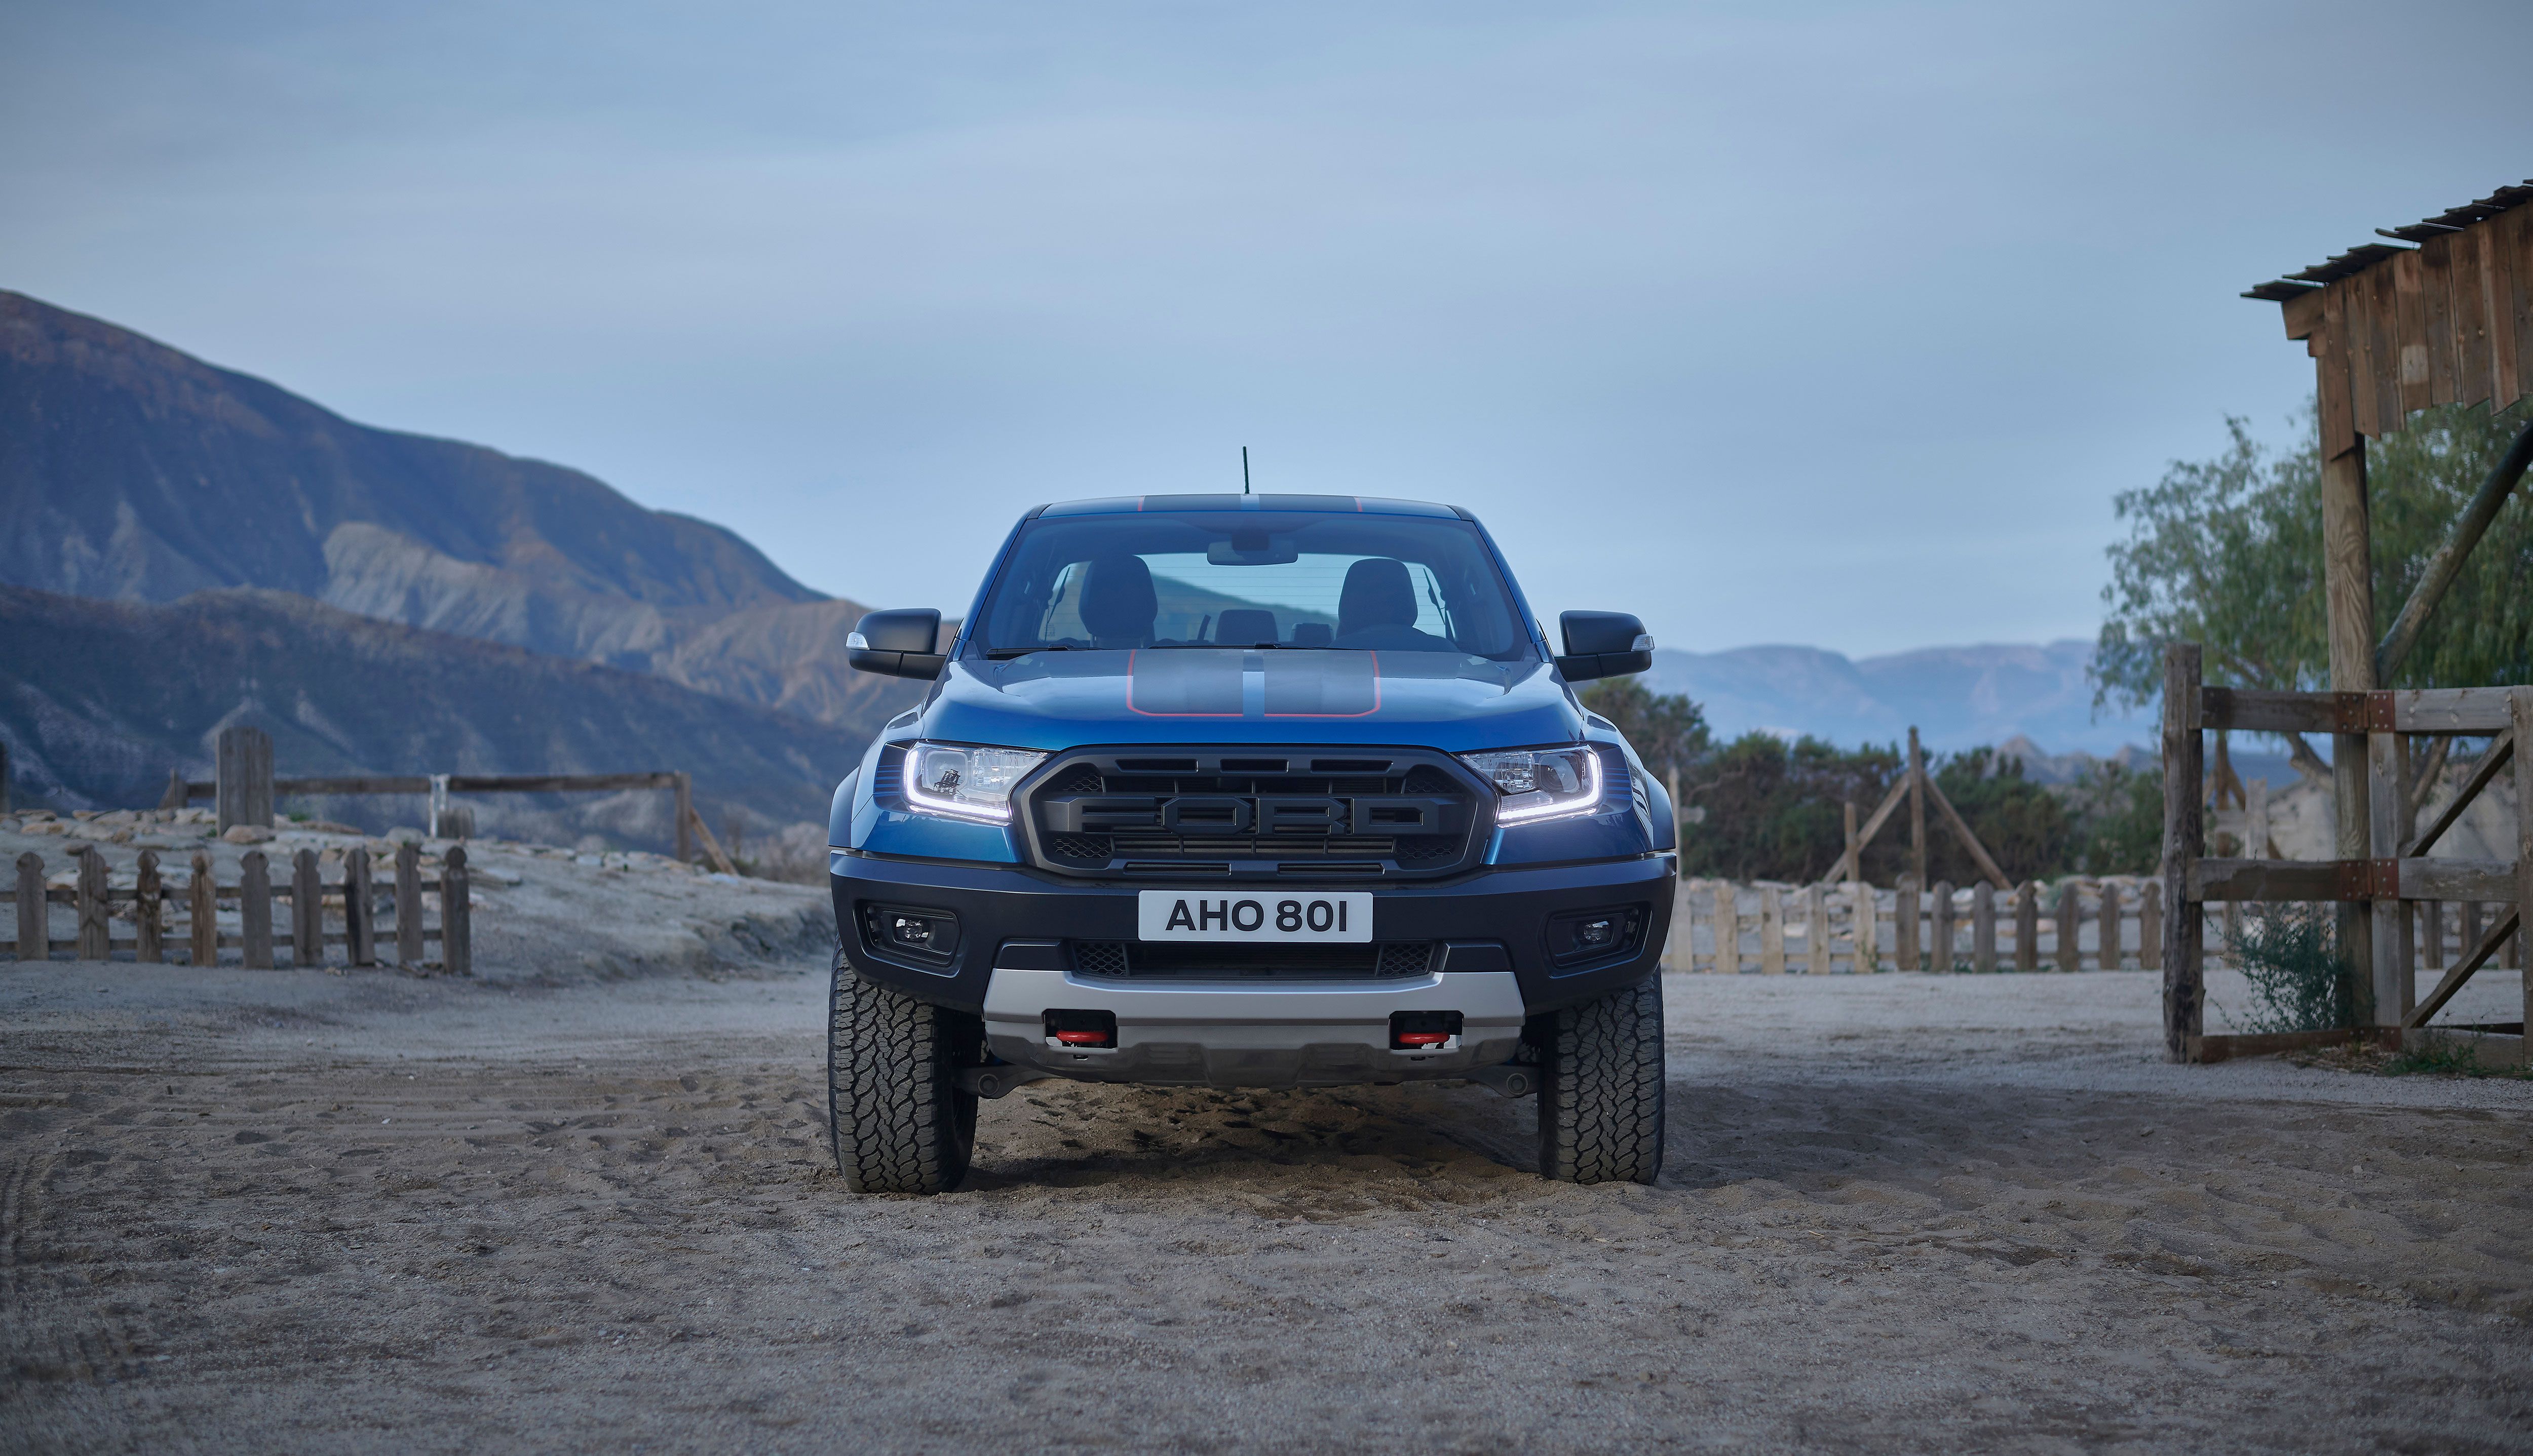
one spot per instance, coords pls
(1603, 644)
(899, 643)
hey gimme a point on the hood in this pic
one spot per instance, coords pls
(1056, 700)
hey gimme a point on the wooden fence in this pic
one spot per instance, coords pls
(1813, 929)
(172, 922)
(244, 788)
(2384, 891)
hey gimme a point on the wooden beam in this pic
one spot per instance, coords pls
(2452, 981)
(553, 782)
(2469, 711)
(712, 847)
(2521, 708)
(2448, 563)
(2184, 840)
(1882, 813)
(2348, 592)
(1969, 842)
(2491, 759)
(1916, 810)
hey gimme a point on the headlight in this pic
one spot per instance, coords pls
(966, 782)
(1540, 782)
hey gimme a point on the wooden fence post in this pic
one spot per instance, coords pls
(685, 812)
(149, 897)
(1942, 959)
(2026, 926)
(203, 913)
(92, 904)
(360, 927)
(2151, 925)
(1982, 927)
(1727, 928)
(456, 914)
(2432, 937)
(306, 912)
(34, 928)
(408, 907)
(1866, 930)
(244, 776)
(1772, 931)
(2071, 946)
(2107, 925)
(1916, 831)
(255, 911)
(1908, 903)
(1816, 930)
(2184, 840)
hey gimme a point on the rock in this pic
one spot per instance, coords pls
(247, 833)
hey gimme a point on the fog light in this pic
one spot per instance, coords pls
(912, 932)
(1579, 936)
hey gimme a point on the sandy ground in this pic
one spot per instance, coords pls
(299, 1211)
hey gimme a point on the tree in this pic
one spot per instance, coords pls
(1668, 731)
(2227, 553)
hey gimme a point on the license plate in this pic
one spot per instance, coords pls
(1197, 914)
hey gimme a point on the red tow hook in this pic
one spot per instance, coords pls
(1083, 1038)
(1423, 1038)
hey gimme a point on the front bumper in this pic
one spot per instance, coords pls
(1284, 1034)
(1488, 922)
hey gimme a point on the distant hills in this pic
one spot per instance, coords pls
(134, 474)
(1959, 697)
(100, 699)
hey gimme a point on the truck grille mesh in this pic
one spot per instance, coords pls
(1354, 813)
(1205, 962)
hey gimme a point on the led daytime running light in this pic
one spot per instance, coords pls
(988, 805)
(1586, 803)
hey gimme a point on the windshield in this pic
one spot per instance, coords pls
(1285, 579)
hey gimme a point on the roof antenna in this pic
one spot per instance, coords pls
(1244, 470)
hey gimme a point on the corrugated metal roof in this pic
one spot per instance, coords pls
(2366, 254)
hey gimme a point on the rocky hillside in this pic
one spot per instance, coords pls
(98, 700)
(134, 472)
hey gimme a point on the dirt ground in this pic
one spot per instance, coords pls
(289, 1210)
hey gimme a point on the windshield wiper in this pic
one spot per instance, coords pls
(1005, 654)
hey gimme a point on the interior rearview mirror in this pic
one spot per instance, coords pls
(1603, 644)
(902, 643)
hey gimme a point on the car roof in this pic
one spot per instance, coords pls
(1131, 504)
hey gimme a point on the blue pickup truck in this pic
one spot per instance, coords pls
(1246, 790)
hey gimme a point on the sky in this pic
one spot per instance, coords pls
(1838, 325)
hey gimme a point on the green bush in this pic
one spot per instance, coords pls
(2300, 981)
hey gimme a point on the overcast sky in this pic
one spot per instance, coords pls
(1834, 324)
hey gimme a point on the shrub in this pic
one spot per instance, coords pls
(2300, 981)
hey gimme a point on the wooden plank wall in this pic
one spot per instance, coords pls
(2450, 323)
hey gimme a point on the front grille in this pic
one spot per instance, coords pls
(1362, 961)
(1352, 813)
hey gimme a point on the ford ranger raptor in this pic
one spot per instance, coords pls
(1247, 792)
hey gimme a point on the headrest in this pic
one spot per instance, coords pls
(1117, 600)
(1244, 624)
(1378, 594)
(1312, 634)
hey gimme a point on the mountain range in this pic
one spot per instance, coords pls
(1956, 697)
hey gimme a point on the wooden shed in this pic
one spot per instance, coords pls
(2441, 314)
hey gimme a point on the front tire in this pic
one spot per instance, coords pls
(901, 1123)
(1601, 1087)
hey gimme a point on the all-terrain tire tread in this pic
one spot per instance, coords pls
(1601, 1100)
(900, 1123)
